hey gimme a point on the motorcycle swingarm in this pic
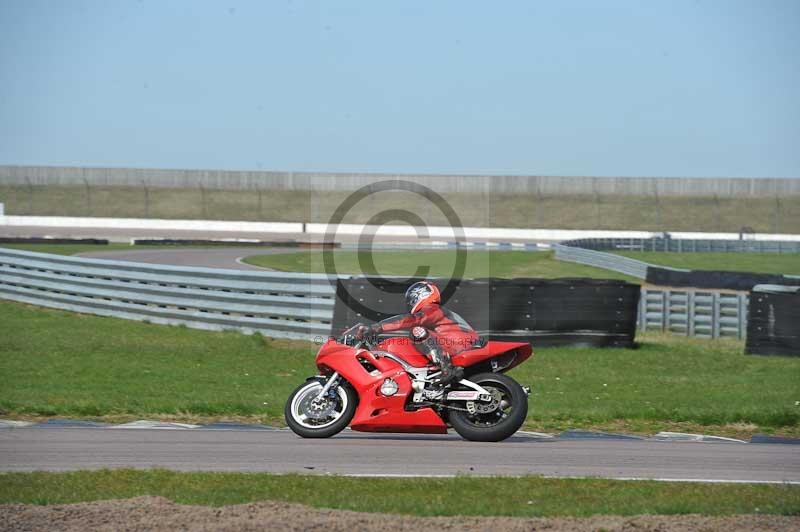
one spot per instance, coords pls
(478, 393)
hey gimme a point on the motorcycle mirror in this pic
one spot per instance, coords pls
(419, 334)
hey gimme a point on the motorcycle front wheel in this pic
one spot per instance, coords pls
(312, 418)
(497, 420)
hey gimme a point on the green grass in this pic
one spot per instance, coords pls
(509, 264)
(585, 211)
(502, 264)
(71, 365)
(787, 263)
(522, 497)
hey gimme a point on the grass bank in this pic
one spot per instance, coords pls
(647, 213)
(522, 497)
(62, 364)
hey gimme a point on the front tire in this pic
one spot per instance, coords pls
(310, 419)
(500, 423)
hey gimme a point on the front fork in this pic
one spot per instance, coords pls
(328, 385)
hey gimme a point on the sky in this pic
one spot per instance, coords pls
(599, 88)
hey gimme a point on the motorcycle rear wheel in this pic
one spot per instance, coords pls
(499, 424)
(300, 417)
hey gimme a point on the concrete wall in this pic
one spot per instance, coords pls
(319, 181)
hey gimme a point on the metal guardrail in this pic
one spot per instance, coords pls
(599, 259)
(282, 305)
(701, 313)
(706, 313)
(685, 245)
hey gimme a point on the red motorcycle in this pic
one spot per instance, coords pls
(387, 385)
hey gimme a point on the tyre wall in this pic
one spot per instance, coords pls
(544, 312)
(774, 322)
(743, 281)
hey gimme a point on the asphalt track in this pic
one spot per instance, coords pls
(211, 257)
(351, 453)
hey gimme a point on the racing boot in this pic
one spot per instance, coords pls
(450, 373)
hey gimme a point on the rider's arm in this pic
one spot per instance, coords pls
(401, 322)
(428, 317)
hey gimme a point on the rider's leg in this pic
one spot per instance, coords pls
(439, 357)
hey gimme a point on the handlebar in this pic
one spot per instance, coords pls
(350, 338)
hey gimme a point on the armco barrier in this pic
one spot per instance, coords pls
(686, 245)
(709, 313)
(276, 304)
(283, 305)
(608, 261)
(702, 313)
(664, 275)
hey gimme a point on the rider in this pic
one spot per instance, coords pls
(450, 334)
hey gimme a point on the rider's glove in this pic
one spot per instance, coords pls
(361, 332)
(368, 332)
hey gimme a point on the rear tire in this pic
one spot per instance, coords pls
(299, 416)
(497, 425)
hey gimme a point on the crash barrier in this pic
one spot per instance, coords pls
(686, 245)
(244, 242)
(51, 240)
(283, 305)
(709, 314)
(774, 326)
(543, 311)
(302, 306)
(666, 276)
(661, 276)
(598, 259)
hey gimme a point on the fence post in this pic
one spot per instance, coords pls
(88, 197)
(742, 315)
(643, 309)
(537, 212)
(146, 199)
(596, 203)
(715, 315)
(664, 310)
(658, 205)
(30, 195)
(690, 313)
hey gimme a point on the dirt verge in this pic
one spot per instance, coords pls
(158, 513)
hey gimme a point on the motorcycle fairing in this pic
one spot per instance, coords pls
(493, 349)
(376, 412)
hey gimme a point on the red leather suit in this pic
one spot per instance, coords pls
(450, 332)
